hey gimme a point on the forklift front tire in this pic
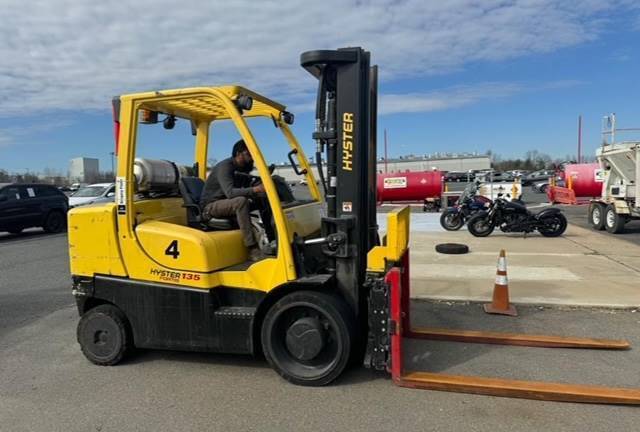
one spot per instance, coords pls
(103, 336)
(307, 337)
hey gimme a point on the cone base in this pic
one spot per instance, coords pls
(510, 311)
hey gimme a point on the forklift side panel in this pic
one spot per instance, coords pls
(303, 220)
(184, 248)
(93, 245)
(167, 316)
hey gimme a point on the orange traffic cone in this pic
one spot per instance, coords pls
(500, 304)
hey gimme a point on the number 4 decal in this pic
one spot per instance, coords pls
(172, 249)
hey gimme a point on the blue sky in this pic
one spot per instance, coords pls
(508, 76)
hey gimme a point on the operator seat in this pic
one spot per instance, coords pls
(191, 189)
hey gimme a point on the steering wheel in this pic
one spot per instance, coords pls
(256, 180)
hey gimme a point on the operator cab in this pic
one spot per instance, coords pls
(168, 221)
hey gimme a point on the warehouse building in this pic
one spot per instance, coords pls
(83, 170)
(464, 164)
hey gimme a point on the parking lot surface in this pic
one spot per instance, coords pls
(47, 385)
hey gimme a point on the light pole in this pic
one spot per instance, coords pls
(112, 166)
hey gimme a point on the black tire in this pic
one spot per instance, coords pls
(15, 230)
(103, 335)
(452, 248)
(613, 222)
(596, 216)
(54, 223)
(451, 220)
(556, 225)
(307, 337)
(479, 226)
(544, 188)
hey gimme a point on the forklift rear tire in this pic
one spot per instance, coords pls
(103, 336)
(307, 337)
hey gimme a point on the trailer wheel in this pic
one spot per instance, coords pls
(307, 337)
(596, 216)
(103, 336)
(613, 222)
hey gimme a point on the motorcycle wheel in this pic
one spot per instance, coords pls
(480, 226)
(554, 226)
(451, 220)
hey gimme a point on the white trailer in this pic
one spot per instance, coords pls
(620, 201)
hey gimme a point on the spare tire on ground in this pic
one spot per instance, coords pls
(452, 248)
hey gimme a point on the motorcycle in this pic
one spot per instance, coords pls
(513, 216)
(454, 218)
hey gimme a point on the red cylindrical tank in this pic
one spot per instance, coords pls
(584, 179)
(409, 186)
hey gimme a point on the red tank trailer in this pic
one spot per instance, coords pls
(585, 179)
(419, 186)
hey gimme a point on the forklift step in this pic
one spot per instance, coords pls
(498, 338)
(520, 389)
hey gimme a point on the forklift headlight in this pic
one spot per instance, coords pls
(169, 122)
(244, 102)
(287, 117)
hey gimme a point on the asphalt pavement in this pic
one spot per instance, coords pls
(34, 277)
(47, 385)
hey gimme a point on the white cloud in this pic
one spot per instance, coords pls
(12, 135)
(460, 96)
(75, 55)
(453, 97)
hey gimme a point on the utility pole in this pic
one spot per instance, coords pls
(112, 165)
(385, 151)
(580, 138)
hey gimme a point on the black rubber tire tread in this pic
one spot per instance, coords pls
(559, 232)
(452, 248)
(49, 225)
(472, 230)
(120, 320)
(455, 227)
(330, 304)
(602, 207)
(619, 221)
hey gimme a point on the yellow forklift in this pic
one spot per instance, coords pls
(150, 271)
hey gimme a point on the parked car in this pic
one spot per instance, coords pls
(32, 205)
(495, 176)
(93, 194)
(75, 186)
(543, 186)
(519, 173)
(537, 176)
(458, 176)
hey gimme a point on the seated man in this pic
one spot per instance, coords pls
(225, 194)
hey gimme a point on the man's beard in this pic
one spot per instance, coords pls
(247, 167)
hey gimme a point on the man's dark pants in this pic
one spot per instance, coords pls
(240, 208)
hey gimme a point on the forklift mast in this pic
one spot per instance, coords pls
(346, 111)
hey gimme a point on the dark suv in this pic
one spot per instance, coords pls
(32, 205)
